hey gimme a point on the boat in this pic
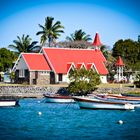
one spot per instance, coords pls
(9, 102)
(93, 103)
(119, 98)
(55, 98)
(122, 97)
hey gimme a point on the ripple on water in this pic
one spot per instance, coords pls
(63, 121)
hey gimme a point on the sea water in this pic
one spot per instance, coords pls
(35, 119)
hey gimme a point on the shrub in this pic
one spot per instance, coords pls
(83, 81)
(137, 80)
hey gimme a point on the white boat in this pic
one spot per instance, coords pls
(58, 99)
(92, 103)
(122, 97)
(8, 102)
(119, 98)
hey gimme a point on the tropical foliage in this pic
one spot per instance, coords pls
(78, 35)
(105, 51)
(129, 50)
(24, 44)
(111, 67)
(6, 59)
(12, 76)
(137, 80)
(50, 31)
(83, 81)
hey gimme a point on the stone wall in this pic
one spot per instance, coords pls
(38, 91)
(115, 90)
(39, 78)
(26, 91)
(43, 79)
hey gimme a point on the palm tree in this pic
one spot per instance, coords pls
(50, 31)
(78, 35)
(24, 44)
(105, 51)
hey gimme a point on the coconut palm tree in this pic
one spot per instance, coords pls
(105, 51)
(78, 35)
(24, 44)
(50, 31)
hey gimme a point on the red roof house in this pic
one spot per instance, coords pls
(36, 62)
(52, 65)
(59, 58)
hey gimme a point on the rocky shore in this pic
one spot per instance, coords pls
(38, 91)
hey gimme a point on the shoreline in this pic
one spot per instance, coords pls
(27, 91)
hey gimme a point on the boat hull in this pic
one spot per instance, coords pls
(136, 103)
(8, 103)
(98, 104)
(126, 98)
(58, 99)
(55, 100)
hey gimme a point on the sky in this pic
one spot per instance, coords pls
(112, 19)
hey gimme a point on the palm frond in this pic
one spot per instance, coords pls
(56, 24)
(40, 32)
(42, 27)
(48, 22)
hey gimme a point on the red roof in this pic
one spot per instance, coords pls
(119, 62)
(97, 41)
(36, 61)
(89, 66)
(68, 66)
(79, 65)
(58, 59)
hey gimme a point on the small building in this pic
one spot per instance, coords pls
(119, 64)
(53, 65)
(6, 78)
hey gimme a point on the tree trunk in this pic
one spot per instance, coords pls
(50, 40)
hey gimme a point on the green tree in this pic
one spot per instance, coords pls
(137, 80)
(78, 35)
(50, 31)
(83, 81)
(105, 51)
(24, 44)
(129, 50)
(12, 76)
(6, 59)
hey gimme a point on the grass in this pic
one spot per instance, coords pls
(134, 93)
(114, 85)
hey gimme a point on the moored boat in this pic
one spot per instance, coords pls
(58, 98)
(122, 97)
(92, 103)
(116, 98)
(8, 102)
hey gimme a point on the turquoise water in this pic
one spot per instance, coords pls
(66, 121)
